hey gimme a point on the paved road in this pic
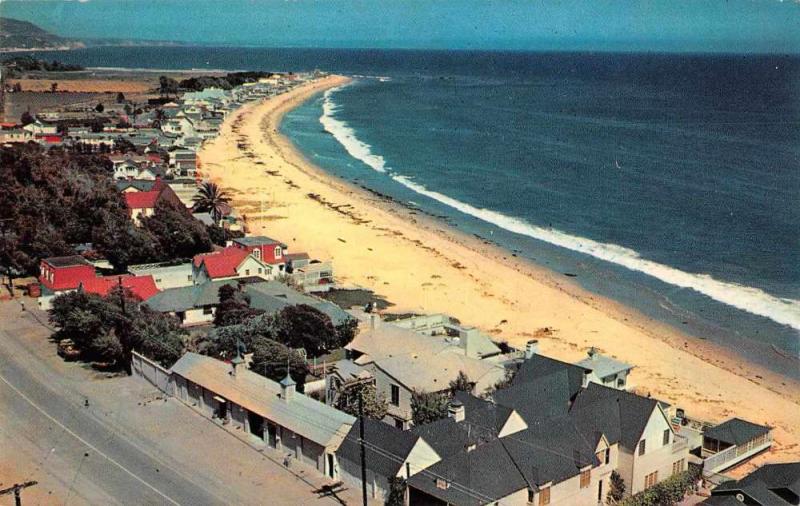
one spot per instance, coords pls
(130, 446)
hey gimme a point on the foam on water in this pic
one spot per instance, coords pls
(750, 299)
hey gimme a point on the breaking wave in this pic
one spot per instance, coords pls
(753, 300)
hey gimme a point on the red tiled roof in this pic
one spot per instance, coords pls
(141, 200)
(222, 263)
(143, 287)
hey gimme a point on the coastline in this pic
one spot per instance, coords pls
(423, 265)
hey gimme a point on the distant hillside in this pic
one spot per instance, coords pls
(16, 34)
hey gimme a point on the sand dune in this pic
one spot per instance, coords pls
(422, 266)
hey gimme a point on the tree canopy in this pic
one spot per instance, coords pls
(427, 407)
(375, 405)
(212, 199)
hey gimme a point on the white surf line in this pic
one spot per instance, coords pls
(90, 445)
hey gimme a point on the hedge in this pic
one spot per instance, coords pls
(667, 493)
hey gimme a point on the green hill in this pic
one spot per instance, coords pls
(16, 34)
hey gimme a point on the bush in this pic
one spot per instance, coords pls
(667, 493)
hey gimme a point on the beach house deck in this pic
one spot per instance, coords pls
(733, 442)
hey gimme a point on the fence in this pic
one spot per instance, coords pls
(152, 372)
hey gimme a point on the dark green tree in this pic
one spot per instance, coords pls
(375, 405)
(461, 383)
(26, 118)
(397, 491)
(234, 306)
(99, 107)
(270, 359)
(427, 407)
(303, 326)
(177, 232)
(616, 488)
(120, 98)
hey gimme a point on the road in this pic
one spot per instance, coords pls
(129, 446)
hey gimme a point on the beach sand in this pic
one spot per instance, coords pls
(421, 265)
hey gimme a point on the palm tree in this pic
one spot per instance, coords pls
(210, 198)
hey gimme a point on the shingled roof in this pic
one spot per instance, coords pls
(386, 450)
(736, 431)
(769, 485)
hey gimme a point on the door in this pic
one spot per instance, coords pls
(272, 435)
(256, 424)
(331, 470)
(600, 492)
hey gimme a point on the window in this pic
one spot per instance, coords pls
(189, 277)
(666, 437)
(677, 467)
(604, 456)
(608, 455)
(651, 479)
(208, 310)
(247, 272)
(530, 495)
(642, 445)
(586, 477)
(277, 251)
(257, 253)
(544, 496)
(398, 423)
(395, 395)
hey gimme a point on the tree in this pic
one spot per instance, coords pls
(461, 383)
(53, 87)
(427, 407)
(270, 359)
(120, 98)
(303, 326)
(375, 405)
(167, 85)
(99, 107)
(346, 331)
(616, 489)
(210, 198)
(26, 118)
(234, 306)
(158, 336)
(221, 236)
(177, 233)
(17, 88)
(397, 491)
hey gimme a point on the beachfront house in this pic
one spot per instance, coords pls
(229, 263)
(606, 370)
(274, 414)
(142, 203)
(172, 274)
(732, 442)
(769, 485)
(59, 275)
(402, 361)
(265, 249)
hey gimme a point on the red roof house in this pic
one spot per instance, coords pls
(143, 203)
(231, 262)
(142, 287)
(64, 273)
(269, 251)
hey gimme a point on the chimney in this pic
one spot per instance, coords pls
(287, 387)
(593, 353)
(531, 348)
(374, 321)
(456, 410)
(468, 338)
(586, 373)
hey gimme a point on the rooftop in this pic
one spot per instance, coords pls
(603, 366)
(769, 485)
(736, 431)
(311, 419)
(68, 261)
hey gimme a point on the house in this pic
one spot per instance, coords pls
(59, 275)
(184, 162)
(769, 485)
(166, 274)
(403, 361)
(733, 442)
(129, 166)
(229, 263)
(606, 370)
(390, 453)
(197, 304)
(273, 413)
(649, 449)
(141, 287)
(15, 135)
(315, 276)
(491, 455)
(269, 251)
(143, 203)
(39, 128)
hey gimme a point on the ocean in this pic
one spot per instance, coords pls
(667, 182)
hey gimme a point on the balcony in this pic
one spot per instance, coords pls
(715, 462)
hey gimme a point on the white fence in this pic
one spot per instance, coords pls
(152, 372)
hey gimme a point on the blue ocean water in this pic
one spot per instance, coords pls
(667, 182)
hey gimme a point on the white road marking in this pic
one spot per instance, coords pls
(90, 445)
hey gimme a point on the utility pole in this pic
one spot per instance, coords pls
(17, 489)
(363, 449)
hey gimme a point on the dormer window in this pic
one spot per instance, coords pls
(278, 252)
(257, 253)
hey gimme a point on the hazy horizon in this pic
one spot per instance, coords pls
(735, 26)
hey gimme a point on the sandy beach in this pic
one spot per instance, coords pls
(421, 265)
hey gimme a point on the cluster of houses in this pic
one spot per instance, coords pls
(552, 434)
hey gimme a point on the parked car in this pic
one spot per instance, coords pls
(67, 350)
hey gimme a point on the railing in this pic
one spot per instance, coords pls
(735, 454)
(680, 444)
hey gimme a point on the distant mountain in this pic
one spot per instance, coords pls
(16, 34)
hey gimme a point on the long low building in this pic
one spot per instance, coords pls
(274, 412)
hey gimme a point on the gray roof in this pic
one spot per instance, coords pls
(190, 297)
(68, 261)
(736, 431)
(255, 240)
(603, 366)
(273, 296)
(547, 397)
(621, 416)
(539, 366)
(769, 485)
(311, 419)
(386, 450)
(140, 184)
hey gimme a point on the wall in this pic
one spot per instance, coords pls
(153, 372)
(658, 457)
(350, 473)
(172, 276)
(383, 383)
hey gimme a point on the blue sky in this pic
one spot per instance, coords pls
(628, 25)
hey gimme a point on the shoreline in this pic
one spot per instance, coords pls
(670, 363)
